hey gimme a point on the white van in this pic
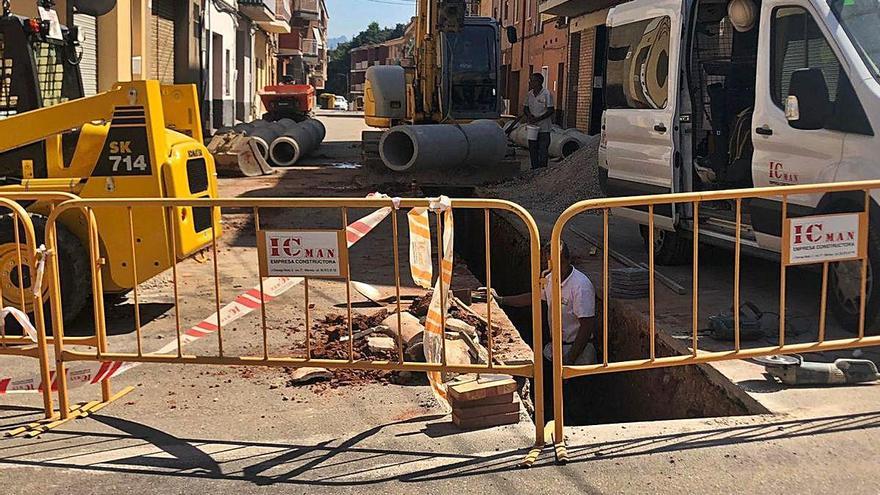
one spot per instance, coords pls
(723, 94)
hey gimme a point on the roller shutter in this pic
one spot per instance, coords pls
(161, 40)
(88, 65)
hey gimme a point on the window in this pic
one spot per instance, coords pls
(798, 43)
(637, 73)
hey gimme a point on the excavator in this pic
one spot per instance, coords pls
(139, 139)
(456, 79)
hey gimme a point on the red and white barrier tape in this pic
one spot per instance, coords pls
(244, 304)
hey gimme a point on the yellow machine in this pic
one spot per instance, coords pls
(457, 73)
(140, 139)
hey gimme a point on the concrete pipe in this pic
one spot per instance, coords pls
(264, 135)
(297, 142)
(423, 147)
(563, 144)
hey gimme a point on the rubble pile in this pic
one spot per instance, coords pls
(375, 338)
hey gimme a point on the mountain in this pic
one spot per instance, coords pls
(334, 42)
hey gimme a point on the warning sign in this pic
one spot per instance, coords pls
(303, 253)
(824, 238)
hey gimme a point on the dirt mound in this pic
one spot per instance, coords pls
(558, 186)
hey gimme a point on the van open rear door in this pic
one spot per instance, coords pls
(640, 94)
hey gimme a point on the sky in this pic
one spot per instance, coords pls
(349, 17)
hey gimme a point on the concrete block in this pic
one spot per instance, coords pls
(379, 343)
(485, 386)
(487, 401)
(487, 410)
(486, 421)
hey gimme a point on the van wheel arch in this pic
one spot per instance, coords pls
(844, 305)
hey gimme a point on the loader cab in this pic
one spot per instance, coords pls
(471, 71)
(36, 71)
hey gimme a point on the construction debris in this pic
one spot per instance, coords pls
(381, 343)
(309, 375)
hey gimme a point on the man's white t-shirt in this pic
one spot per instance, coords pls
(578, 301)
(538, 105)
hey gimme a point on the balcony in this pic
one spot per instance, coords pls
(258, 10)
(573, 8)
(309, 48)
(280, 23)
(309, 10)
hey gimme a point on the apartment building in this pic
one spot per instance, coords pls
(396, 51)
(302, 54)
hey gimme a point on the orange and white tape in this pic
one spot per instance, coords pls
(420, 265)
(244, 304)
(433, 341)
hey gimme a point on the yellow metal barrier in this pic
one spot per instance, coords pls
(28, 253)
(603, 206)
(255, 207)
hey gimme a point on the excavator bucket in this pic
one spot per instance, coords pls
(236, 155)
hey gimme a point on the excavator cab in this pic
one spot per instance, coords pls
(471, 71)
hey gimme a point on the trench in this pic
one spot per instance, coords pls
(680, 392)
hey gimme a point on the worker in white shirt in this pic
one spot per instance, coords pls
(579, 327)
(538, 110)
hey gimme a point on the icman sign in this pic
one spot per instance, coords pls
(302, 253)
(824, 238)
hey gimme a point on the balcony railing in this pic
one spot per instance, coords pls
(309, 48)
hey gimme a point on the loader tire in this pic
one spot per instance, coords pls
(72, 264)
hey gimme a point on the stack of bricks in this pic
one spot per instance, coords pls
(485, 401)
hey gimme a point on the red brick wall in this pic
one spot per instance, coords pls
(585, 77)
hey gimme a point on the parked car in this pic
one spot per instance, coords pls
(341, 103)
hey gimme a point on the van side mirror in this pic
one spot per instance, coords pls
(511, 35)
(808, 106)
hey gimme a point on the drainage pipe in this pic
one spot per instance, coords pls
(297, 142)
(422, 147)
(262, 135)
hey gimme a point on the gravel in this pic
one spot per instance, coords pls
(558, 186)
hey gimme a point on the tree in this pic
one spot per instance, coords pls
(339, 63)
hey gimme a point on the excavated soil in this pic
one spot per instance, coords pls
(558, 186)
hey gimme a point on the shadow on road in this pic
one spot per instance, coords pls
(346, 462)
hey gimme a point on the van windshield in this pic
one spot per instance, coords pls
(860, 19)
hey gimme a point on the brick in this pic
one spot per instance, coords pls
(486, 421)
(487, 401)
(483, 411)
(482, 388)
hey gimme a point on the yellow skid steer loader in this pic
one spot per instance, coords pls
(138, 140)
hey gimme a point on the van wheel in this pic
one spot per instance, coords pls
(15, 279)
(844, 288)
(670, 248)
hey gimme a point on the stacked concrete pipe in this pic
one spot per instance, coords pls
(296, 142)
(563, 142)
(422, 147)
(262, 135)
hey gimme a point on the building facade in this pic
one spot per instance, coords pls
(396, 51)
(228, 48)
(587, 43)
(302, 54)
(542, 46)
